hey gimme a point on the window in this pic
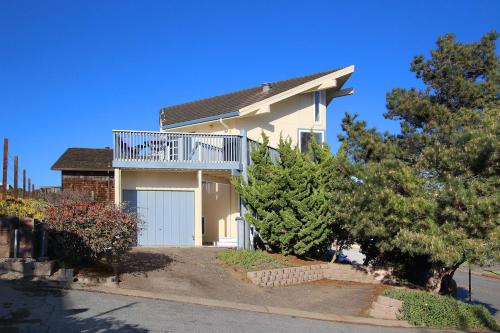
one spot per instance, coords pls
(317, 103)
(305, 138)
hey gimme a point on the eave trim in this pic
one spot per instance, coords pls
(201, 120)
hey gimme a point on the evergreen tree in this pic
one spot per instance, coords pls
(288, 201)
(431, 193)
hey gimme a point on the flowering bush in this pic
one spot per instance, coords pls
(90, 231)
(33, 208)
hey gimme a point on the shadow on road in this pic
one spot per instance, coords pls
(34, 307)
(463, 295)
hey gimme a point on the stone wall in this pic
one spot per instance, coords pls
(302, 274)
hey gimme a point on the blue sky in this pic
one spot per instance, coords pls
(71, 71)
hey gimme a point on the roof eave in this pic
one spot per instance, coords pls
(79, 169)
(201, 120)
(296, 90)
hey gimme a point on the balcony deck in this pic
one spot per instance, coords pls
(168, 150)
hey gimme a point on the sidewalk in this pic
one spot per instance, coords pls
(247, 307)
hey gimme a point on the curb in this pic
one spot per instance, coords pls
(247, 307)
(482, 274)
(490, 276)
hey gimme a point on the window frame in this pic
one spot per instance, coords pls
(309, 130)
(320, 99)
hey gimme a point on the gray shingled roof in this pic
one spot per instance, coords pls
(232, 102)
(85, 159)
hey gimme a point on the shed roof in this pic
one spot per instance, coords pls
(85, 159)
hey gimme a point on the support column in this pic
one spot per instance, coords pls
(198, 208)
(244, 241)
(118, 186)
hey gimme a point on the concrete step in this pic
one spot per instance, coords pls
(383, 314)
(387, 301)
(385, 308)
(227, 242)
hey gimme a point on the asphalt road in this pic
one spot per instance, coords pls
(485, 291)
(28, 308)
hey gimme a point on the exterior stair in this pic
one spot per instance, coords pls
(385, 308)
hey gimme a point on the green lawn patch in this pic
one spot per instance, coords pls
(426, 309)
(251, 260)
(491, 273)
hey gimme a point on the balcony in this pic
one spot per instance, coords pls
(168, 150)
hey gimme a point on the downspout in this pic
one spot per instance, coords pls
(224, 124)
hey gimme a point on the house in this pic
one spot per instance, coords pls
(87, 170)
(50, 189)
(178, 179)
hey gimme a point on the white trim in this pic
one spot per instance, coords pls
(306, 130)
(297, 90)
(178, 189)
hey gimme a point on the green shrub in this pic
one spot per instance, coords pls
(33, 208)
(426, 309)
(251, 260)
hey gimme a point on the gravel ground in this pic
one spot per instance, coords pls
(197, 272)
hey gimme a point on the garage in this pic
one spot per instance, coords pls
(168, 216)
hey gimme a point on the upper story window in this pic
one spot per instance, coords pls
(317, 104)
(305, 136)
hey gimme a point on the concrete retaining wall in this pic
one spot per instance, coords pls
(27, 267)
(302, 274)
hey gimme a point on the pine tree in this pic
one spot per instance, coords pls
(430, 194)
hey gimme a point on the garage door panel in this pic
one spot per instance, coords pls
(168, 216)
(158, 214)
(142, 212)
(186, 235)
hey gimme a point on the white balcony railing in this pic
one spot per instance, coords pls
(168, 149)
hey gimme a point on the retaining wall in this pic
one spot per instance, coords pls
(302, 274)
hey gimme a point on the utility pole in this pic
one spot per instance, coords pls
(16, 161)
(470, 285)
(24, 183)
(5, 163)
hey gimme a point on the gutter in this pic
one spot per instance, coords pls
(201, 120)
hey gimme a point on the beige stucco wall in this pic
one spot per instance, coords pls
(220, 209)
(285, 118)
(166, 180)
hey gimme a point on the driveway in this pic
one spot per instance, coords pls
(34, 308)
(197, 272)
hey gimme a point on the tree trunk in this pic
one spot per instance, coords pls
(338, 249)
(441, 279)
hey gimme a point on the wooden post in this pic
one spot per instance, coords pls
(5, 162)
(32, 190)
(16, 161)
(24, 183)
(29, 187)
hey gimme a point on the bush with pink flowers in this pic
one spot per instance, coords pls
(90, 231)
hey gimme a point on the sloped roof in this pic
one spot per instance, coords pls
(232, 102)
(85, 159)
